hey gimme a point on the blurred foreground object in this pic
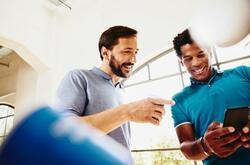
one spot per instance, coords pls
(221, 22)
(45, 138)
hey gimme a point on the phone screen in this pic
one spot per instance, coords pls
(236, 117)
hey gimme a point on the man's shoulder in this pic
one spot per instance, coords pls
(242, 69)
(183, 93)
(77, 76)
(78, 73)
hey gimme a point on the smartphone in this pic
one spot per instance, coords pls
(236, 117)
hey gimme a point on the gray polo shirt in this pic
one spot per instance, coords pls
(87, 92)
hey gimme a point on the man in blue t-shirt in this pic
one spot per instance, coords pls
(199, 109)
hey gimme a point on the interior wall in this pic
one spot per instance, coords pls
(8, 84)
(8, 75)
(30, 23)
(26, 90)
(23, 87)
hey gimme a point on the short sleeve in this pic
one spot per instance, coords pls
(179, 114)
(244, 71)
(71, 95)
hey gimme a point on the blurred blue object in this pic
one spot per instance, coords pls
(45, 138)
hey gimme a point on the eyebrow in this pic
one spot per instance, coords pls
(186, 56)
(131, 49)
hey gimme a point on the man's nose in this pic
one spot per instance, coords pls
(196, 62)
(133, 59)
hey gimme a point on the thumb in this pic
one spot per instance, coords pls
(160, 101)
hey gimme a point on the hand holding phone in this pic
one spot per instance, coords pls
(236, 117)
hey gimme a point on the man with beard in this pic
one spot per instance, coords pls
(95, 96)
(199, 109)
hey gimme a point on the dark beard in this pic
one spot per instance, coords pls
(116, 68)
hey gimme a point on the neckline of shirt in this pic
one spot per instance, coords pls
(104, 75)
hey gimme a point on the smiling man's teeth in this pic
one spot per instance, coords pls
(198, 71)
(128, 66)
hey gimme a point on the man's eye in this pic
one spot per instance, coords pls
(187, 59)
(201, 55)
(126, 52)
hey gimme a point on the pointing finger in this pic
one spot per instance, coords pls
(160, 101)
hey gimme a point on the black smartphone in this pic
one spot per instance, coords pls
(236, 117)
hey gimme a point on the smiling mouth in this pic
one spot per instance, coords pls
(199, 70)
(128, 66)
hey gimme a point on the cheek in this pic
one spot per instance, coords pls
(186, 65)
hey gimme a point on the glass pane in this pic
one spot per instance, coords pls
(160, 158)
(9, 125)
(139, 76)
(3, 110)
(235, 63)
(6, 123)
(239, 50)
(148, 135)
(186, 77)
(213, 59)
(163, 88)
(165, 65)
(2, 126)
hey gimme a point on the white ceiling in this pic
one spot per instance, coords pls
(157, 21)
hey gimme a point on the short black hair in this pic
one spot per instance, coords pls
(109, 38)
(182, 39)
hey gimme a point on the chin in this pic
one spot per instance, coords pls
(204, 78)
(126, 75)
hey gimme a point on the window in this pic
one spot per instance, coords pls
(167, 65)
(6, 120)
(141, 75)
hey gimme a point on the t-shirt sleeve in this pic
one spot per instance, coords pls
(71, 95)
(179, 114)
(244, 71)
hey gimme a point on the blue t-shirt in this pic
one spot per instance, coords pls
(201, 103)
(87, 92)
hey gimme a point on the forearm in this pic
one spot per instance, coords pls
(108, 120)
(194, 150)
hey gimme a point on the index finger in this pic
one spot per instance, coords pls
(160, 101)
(223, 131)
(246, 128)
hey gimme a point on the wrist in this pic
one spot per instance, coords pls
(127, 111)
(206, 149)
(123, 112)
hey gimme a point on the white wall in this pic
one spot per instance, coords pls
(26, 92)
(29, 23)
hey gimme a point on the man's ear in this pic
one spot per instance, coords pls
(181, 62)
(105, 53)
